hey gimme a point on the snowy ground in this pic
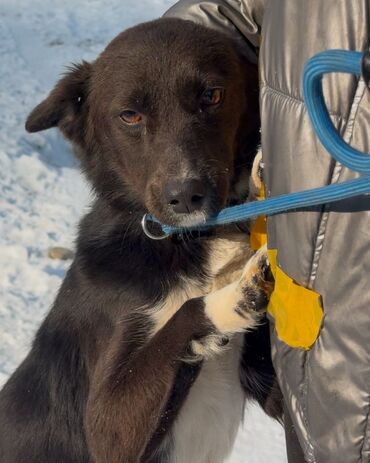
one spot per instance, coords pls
(42, 194)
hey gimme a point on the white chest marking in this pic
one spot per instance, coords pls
(206, 427)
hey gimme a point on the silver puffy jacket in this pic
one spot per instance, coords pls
(326, 388)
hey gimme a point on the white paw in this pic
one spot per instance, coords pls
(238, 306)
(209, 346)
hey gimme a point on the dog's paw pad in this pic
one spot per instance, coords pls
(255, 298)
(257, 283)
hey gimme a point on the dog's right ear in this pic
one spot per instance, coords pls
(65, 107)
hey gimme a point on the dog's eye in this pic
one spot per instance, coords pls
(130, 117)
(212, 96)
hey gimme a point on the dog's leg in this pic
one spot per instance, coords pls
(132, 383)
(238, 306)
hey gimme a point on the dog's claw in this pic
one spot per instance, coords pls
(257, 282)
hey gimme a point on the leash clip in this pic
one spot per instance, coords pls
(144, 224)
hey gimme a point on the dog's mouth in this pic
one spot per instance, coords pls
(188, 220)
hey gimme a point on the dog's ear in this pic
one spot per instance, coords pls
(65, 107)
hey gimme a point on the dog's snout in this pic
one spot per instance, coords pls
(186, 196)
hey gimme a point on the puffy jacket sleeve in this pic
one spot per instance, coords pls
(241, 19)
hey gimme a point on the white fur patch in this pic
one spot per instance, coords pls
(220, 309)
(193, 219)
(206, 427)
(227, 259)
(165, 310)
(207, 348)
(227, 309)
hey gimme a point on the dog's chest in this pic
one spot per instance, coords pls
(206, 426)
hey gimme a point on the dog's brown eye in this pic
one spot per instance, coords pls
(131, 117)
(213, 96)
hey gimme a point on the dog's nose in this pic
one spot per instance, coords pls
(185, 196)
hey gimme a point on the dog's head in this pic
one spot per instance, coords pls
(159, 118)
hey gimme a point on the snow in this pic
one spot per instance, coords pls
(42, 194)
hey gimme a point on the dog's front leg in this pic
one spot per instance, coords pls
(133, 382)
(238, 306)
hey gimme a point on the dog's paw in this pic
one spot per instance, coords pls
(239, 306)
(256, 282)
(208, 346)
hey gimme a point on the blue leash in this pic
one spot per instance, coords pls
(328, 61)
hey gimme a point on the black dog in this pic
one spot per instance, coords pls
(139, 358)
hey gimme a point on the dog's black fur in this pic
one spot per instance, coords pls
(88, 391)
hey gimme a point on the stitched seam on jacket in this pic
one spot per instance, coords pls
(348, 131)
(337, 171)
(321, 235)
(277, 92)
(308, 448)
(303, 392)
(365, 458)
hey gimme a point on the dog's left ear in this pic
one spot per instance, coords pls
(65, 107)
